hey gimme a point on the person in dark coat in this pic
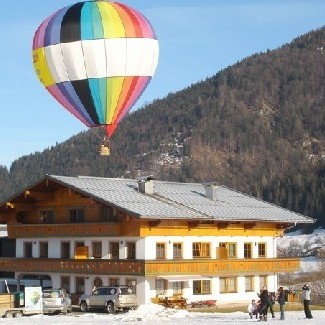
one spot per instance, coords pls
(281, 301)
(271, 303)
(265, 300)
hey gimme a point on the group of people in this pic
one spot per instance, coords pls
(267, 300)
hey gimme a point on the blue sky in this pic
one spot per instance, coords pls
(197, 39)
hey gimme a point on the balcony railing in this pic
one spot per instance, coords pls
(209, 267)
(78, 266)
(222, 267)
(63, 230)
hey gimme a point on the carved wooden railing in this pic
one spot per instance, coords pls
(207, 267)
(63, 230)
(78, 266)
(222, 267)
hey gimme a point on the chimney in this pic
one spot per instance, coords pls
(146, 185)
(211, 191)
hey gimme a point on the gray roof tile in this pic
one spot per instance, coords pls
(173, 200)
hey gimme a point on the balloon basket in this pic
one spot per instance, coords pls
(104, 150)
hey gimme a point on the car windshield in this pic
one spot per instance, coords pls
(127, 291)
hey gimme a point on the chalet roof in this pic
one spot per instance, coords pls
(172, 200)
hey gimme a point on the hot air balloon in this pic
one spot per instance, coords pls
(96, 58)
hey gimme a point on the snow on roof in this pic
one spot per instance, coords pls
(172, 200)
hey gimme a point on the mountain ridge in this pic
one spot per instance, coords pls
(256, 126)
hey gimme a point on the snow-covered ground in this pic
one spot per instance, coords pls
(159, 315)
(155, 315)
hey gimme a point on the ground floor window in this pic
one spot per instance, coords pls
(249, 283)
(80, 285)
(228, 285)
(201, 287)
(132, 283)
(263, 281)
(160, 287)
(65, 283)
(177, 287)
(113, 282)
(98, 282)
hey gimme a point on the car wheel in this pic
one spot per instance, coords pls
(83, 306)
(110, 308)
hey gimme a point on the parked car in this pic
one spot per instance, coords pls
(56, 301)
(110, 298)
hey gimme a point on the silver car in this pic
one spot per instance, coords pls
(56, 301)
(109, 298)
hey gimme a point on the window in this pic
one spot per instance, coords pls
(247, 250)
(65, 283)
(131, 283)
(201, 250)
(114, 250)
(160, 250)
(261, 249)
(201, 287)
(113, 281)
(28, 249)
(77, 215)
(46, 216)
(65, 249)
(177, 287)
(249, 283)
(263, 281)
(107, 213)
(231, 249)
(80, 285)
(43, 249)
(228, 285)
(130, 250)
(97, 249)
(98, 282)
(81, 251)
(177, 250)
(79, 244)
(161, 286)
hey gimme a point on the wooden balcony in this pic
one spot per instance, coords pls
(74, 266)
(65, 230)
(222, 267)
(207, 267)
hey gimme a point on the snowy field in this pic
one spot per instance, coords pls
(155, 315)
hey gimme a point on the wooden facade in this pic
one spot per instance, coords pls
(51, 213)
(207, 267)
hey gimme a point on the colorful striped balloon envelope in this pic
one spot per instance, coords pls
(96, 58)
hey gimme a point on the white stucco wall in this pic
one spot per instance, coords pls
(146, 249)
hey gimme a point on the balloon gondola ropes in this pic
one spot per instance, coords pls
(96, 58)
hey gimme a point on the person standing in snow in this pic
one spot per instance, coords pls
(306, 298)
(281, 301)
(271, 303)
(264, 297)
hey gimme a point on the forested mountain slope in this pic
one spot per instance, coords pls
(257, 127)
